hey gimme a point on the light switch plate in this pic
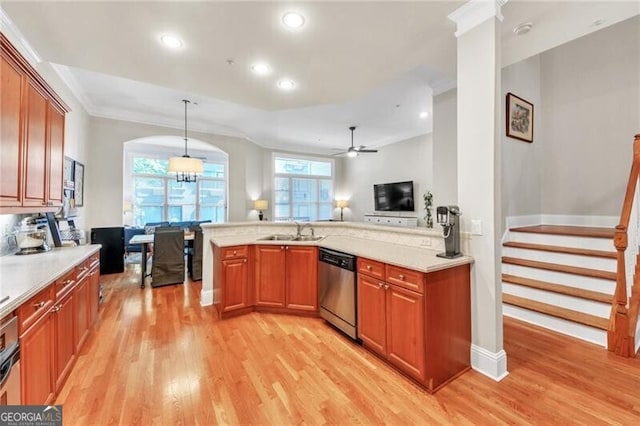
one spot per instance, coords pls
(476, 227)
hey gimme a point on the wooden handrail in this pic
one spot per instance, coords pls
(621, 333)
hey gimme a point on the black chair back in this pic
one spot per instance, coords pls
(168, 257)
(195, 254)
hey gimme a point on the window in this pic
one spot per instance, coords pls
(157, 197)
(303, 188)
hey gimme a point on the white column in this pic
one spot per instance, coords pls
(479, 106)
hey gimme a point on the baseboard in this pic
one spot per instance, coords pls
(491, 364)
(206, 298)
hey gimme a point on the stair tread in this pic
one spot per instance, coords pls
(562, 249)
(574, 231)
(595, 296)
(556, 311)
(586, 272)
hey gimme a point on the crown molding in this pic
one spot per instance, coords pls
(475, 12)
(72, 83)
(12, 32)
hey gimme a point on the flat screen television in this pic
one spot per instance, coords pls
(394, 197)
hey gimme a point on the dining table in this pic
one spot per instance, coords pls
(144, 240)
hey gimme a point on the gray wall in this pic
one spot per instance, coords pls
(105, 169)
(411, 159)
(445, 149)
(522, 162)
(591, 112)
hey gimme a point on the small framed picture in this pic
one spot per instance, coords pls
(79, 183)
(519, 118)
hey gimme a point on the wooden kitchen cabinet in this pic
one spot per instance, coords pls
(36, 359)
(420, 323)
(32, 144)
(231, 279)
(12, 82)
(94, 290)
(287, 277)
(81, 312)
(372, 314)
(391, 323)
(270, 276)
(301, 281)
(236, 275)
(64, 316)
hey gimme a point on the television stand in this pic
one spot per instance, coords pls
(402, 221)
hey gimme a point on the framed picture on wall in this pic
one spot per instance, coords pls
(79, 183)
(519, 118)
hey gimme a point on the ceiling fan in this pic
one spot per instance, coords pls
(353, 151)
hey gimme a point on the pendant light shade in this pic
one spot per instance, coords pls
(185, 167)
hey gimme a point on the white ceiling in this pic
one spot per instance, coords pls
(370, 64)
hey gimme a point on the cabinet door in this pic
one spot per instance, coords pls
(81, 316)
(236, 279)
(11, 81)
(405, 331)
(302, 278)
(372, 314)
(36, 360)
(35, 148)
(94, 294)
(55, 156)
(270, 276)
(64, 339)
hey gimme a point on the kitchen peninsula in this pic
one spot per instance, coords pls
(413, 307)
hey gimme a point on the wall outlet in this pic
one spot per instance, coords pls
(476, 227)
(426, 242)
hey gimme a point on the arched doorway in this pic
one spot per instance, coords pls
(150, 194)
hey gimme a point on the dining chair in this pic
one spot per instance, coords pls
(194, 259)
(167, 266)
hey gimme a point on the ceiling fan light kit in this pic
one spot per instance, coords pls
(186, 168)
(353, 151)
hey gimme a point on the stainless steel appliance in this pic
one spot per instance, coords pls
(337, 282)
(448, 217)
(31, 236)
(9, 363)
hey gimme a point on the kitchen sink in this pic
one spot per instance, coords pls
(278, 237)
(309, 238)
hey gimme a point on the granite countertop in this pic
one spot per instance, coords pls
(416, 258)
(21, 277)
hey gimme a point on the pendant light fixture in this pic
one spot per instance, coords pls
(185, 167)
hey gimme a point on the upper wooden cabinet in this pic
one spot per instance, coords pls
(32, 131)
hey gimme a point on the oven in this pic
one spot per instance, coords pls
(9, 363)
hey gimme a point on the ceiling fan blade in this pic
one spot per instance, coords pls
(367, 150)
(339, 154)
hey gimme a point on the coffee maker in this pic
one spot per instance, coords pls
(448, 217)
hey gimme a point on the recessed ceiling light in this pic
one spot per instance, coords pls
(260, 68)
(286, 84)
(523, 29)
(171, 41)
(424, 114)
(293, 20)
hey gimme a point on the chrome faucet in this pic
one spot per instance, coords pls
(301, 226)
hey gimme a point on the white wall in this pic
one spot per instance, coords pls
(411, 159)
(445, 149)
(105, 169)
(591, 112)
(522, 162)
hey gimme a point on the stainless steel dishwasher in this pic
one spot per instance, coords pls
(337, 282)
(9, 363)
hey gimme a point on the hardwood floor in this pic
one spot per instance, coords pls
(158, 357)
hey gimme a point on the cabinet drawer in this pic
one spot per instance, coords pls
(30, 311)
(83, 268)
(94, 260)
(371, 268)
(234, 252)
(65, 283)
(407, 278)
